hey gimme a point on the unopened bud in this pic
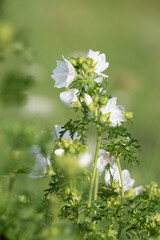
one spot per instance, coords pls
(76, 104)
(105, 117)
(85, 67)
(130, 194)
(87, 99)
(80, 59)
(73, 62)
(128, 115)
(104, 101)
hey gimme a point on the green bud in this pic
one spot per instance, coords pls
(130, 194)
(65, 143)
(67, 191)
(49, 170)
(85, 67)
(96, 98)
(90, 72)
(103, 101)
(22, 198)
(76, 104)
(105, 117)
(91, 107)
(73, 62)
(80, 60)
(115, 184)
(128, 115)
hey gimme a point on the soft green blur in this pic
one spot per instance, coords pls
(34, 34)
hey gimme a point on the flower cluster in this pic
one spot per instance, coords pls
(104, 159)
(84, 80)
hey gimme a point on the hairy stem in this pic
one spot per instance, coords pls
(96, 185)
(94, 172)
(122, 195)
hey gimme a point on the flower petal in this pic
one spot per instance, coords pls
(69, 96)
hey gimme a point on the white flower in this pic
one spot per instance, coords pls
(84, 159)
(103, 159)
(69, 96)
(66, 135)
(116, 116)
(127, 180)
(87, 99)
(100, 60)
(63, 74)
(59, 152)
(41, 163)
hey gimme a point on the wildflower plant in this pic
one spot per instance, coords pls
(96, 195)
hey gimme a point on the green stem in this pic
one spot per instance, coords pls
(11, 181)
(119, 231)
(122, 185)
(94, 171)
(122, 195)
(96, 185)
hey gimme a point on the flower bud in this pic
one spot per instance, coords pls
(105, 117)
(103, 101)
(87, 99)
(73, 62)
(76, 104)
(80, 59)
(85, 67)
(130, 194)
(128, 115)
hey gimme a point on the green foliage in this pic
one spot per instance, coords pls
(14, 87)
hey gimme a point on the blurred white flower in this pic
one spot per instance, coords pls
(41, 163)
(127, 180)
(103, 159)
(100, 60)
(84, 159)
(42, 106)
(63, 74)
(69, 96)
(98, 80)
(87, 99)
(66, 135)
(116, 116)
(59, 152)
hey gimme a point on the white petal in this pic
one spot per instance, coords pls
(103, 159)
(116, 117)
(101, 65)
(87, 99)
(98, 80)
(40, 163)
(93, 54)
(69, 96)
(127, 180)
(63, 74)
(109, 107)
(138, 190)
(114, 172)
(59, 152)
(85, 159)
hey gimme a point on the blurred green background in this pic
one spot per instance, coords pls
(34, 34)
